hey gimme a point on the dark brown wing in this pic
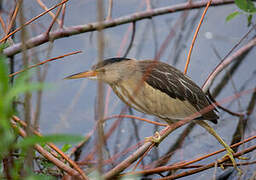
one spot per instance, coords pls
(175, 84)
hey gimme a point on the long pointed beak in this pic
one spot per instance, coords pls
(86, 74)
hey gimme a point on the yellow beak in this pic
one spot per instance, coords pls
(86, 74)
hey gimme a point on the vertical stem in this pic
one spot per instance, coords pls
(100, 99)
(28, 164)
(110, 7)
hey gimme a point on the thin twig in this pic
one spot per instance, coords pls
(81, 144)
(195, 35)
(143, 155)
(149, 7)
(110, 7)
(54, 20)
(43, 62)
(132, 39)
(3, 24)
(63, 15)
(46, 9)
(14, 15)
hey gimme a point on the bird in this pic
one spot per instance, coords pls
(156, 88)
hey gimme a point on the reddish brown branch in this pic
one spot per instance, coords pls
(54, 19)
(43, 62)
(14, 15)
(195, 35)
(3, 24)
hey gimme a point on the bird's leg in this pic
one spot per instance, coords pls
(230, 152)
(155, 139)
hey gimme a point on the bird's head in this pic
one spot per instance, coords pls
(110, 70)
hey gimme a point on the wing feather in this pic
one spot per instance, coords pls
(175, 84)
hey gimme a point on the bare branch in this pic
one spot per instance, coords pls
(73, 30)
(226, 62)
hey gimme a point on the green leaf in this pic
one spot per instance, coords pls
(232, 15)
(246, 5)
(32, 140)
(249, 19)
(66, 147)
(4, 86)
(3, 46)
(4, 89)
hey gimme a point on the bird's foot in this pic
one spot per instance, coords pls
(230, 155)
(155, 139)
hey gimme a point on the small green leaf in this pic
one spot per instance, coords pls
(66, 147)
(249, 19)
(246, 5)
(232, 15)
(4, 85)
(32, 140)
(3, 46)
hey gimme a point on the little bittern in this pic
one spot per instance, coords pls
(156, 88)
